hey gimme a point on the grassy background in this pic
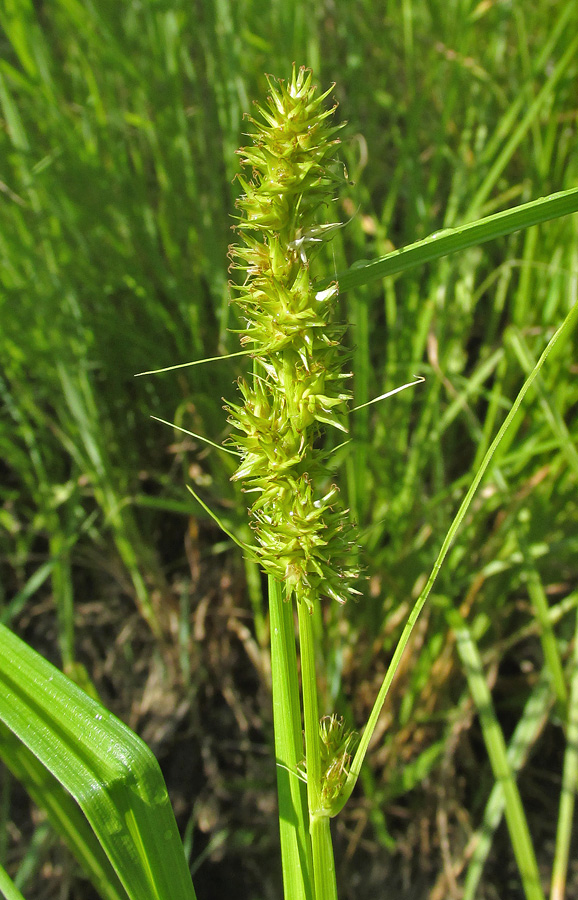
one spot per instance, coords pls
(119, 123)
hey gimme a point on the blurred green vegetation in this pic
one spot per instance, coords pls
(118, 129)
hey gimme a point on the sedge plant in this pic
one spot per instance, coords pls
(304, 541)
(298, 387)
(101, 787)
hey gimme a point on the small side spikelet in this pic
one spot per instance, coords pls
(337, 743)
(298, 385)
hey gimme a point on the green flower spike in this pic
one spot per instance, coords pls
(337, 744)
(298, 382)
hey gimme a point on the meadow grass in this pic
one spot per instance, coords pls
(120, 126)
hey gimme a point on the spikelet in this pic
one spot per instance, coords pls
(298, 386)
(337, 743)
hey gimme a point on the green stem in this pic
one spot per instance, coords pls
(310, 708)
(323, 859)
(63, 597)
(569, 784)
(295, 842)
(319, 828)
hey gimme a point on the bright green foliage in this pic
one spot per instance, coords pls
(119, 124)
(298, 380)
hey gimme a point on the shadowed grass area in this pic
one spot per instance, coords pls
(119, 125)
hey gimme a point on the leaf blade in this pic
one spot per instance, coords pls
(450, 240)
(109, 771)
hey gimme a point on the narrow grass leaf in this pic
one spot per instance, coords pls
(569, 787)
(525, 735)
(550, 649)
(551, 412)
(7, 887)
(441, 243)
(496, 747)
(419, 380)
(33, 584)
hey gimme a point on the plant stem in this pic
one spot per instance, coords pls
(569, 783)
(310, 708)
(323, 859)
(319, 827)
(295, 841)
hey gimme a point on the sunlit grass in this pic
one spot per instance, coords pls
(119, 130)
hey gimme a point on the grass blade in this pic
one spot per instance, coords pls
(547, 401)
(441, 243)
(7, 888)
(109, 771)
(64, 814)
(569, 786)
(528, 729)
(519, 132)
(496, 747)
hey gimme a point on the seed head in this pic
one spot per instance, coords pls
(298, 382)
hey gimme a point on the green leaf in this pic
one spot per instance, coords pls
(441, 243)
(64, 814)
(110, 772)
(7, 888)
